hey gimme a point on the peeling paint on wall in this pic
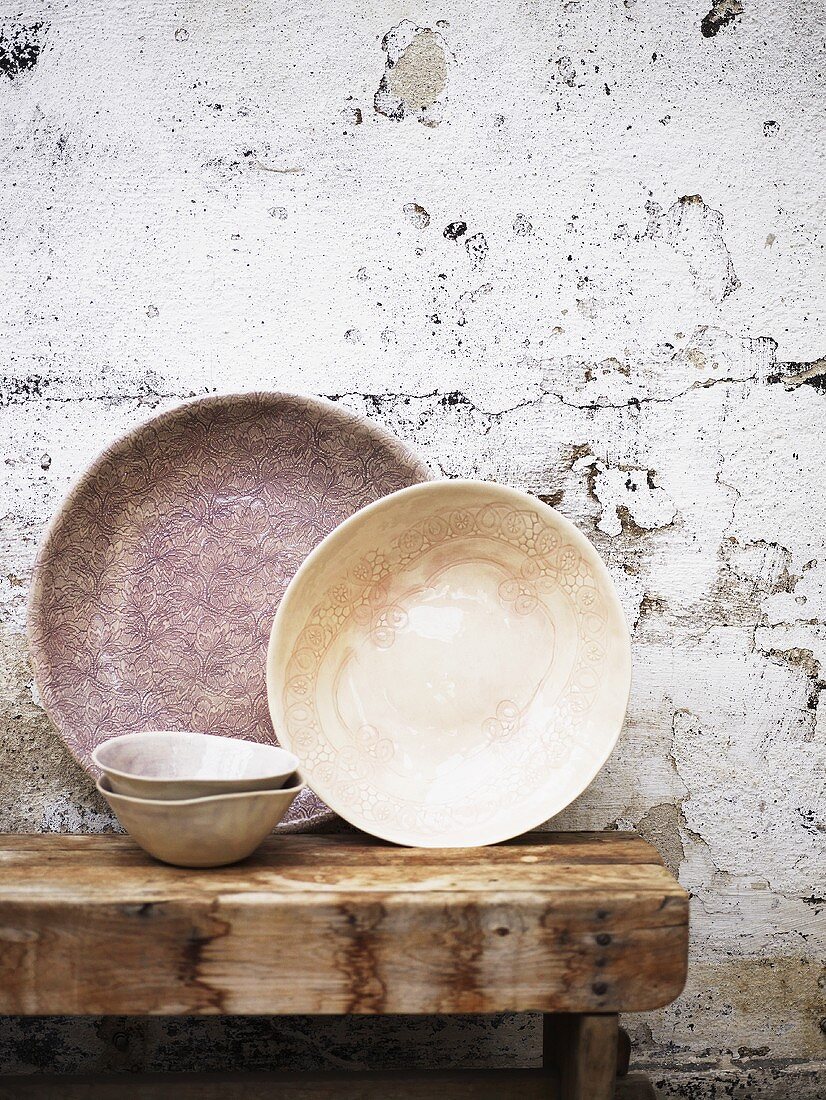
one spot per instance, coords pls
(696, 232)
(415, 77)
(416, 215)
(630, 497)
(721, 13)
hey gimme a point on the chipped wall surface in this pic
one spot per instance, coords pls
(577, 248)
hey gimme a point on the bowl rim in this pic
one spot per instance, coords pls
(190, 735)
(435, 487)
(110, 795)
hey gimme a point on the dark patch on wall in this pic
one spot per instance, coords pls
(455, 230)
(792, 375)
(20, 47)
(630, 525)
(721, 14)
(816, 381)
(651, 605)
(578, 451)
(477, 249)
(15, 391)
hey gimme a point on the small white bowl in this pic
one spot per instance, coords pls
(202, 832)
(177, 764)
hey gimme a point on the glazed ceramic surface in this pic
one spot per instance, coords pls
(202, 832)
(154, 591)
(178, 764)
(452, 665)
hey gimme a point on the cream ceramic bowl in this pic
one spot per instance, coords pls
(202, 832)
(452, 664)
(170, 764)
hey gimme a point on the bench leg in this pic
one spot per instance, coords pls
(583, 1051)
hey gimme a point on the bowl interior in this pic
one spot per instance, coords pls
(181, 755)
(452, 664)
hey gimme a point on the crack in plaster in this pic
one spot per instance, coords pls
(18, 391)
(458, 397)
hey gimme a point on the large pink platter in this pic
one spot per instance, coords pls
(155, 587)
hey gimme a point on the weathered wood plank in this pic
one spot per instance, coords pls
(303, 929)
(426, 953)
(75, 879)
(45, 865)
(586, 847)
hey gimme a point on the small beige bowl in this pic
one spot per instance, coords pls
(202, 832)
(178, 764)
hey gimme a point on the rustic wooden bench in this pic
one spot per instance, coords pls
(578, 926)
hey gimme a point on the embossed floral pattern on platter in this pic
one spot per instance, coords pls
(155, 589)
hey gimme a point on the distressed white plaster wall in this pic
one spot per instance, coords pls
(221, 197)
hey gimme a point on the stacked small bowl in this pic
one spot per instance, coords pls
(193, 799)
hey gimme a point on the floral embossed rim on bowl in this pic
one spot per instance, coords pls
(156, 583)
(452, 665)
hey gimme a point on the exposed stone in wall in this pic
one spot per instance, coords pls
(42, 789)
(416, 73)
